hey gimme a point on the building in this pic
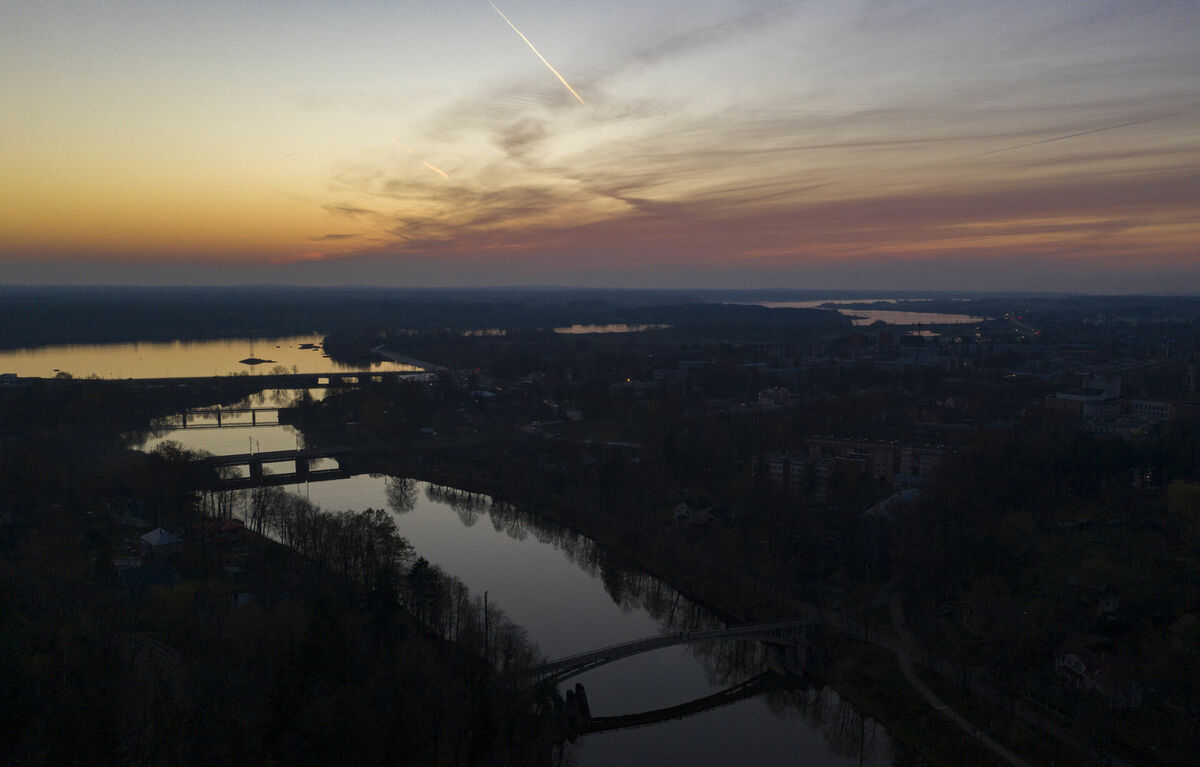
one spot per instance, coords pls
(1097, 396)
(160, 542)
(1082, 670)
(841, 479)
(1124, 426)
(1150, 409)
(885, 459)
(787, 470)
(1101, 410)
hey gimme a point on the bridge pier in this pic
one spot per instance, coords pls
(302, 467)
(256, 469)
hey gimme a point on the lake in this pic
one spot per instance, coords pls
(869, 316)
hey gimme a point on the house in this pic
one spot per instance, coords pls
(1083, 670)
(773, 398)
(685, 515)
(160, 542)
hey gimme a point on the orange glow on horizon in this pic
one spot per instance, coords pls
(712, 137)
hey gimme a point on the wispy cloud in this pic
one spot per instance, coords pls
(891, 131)
(350, 211)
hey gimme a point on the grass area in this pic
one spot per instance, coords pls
(870, 678)
(879, 620)
(1016, 734)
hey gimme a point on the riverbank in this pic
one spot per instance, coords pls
(871, 679)
(866, 675)
(428, 367)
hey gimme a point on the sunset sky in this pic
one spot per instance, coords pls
(870, 144)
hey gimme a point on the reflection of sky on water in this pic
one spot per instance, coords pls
(561, 601)
(567, 610)
(620, 327)
(228, 441)
(868, 316)
(178, 359)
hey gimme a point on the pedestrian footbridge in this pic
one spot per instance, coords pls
(793, 633)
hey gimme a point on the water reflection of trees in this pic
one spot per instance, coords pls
(846, 731)
(282, 398)
(401, 493)
(725, 663)
(468, 506)
(366, 549)
(629, 588)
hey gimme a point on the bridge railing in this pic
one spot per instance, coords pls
(640, 645)
(666, 640)
(273, 456)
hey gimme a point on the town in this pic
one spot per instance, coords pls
(998, 513)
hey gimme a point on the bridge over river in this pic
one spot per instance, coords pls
(202, 418)
(254, 462)
(262, 381)
(792, 633)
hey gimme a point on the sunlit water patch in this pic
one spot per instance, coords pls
(869, 316)
(179, 359)
(618, 327)
(571, 596)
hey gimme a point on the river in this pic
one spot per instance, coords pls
(571, 595)
(179, 359)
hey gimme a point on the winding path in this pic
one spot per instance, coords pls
(903, 648)
(906, 648)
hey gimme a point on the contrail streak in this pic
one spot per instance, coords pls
(410, 150)
(1072, 135)
(561, 79)
(436, 169)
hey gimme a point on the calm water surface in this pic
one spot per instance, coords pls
(619, 327)
(571, 596)
(868, 316)
(179, 359)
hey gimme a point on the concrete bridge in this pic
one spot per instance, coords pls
(793, 633)
(258, 478)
